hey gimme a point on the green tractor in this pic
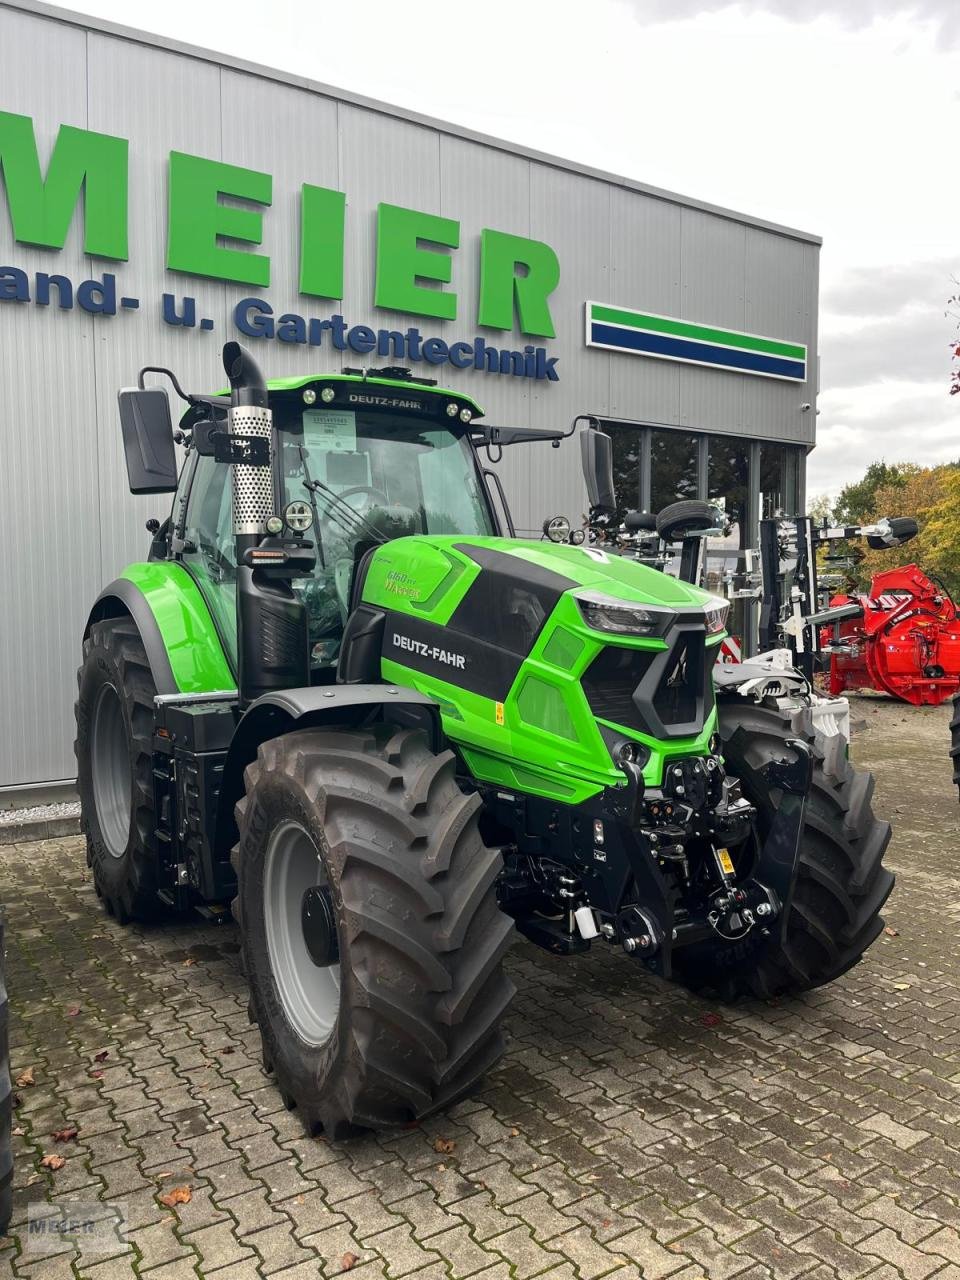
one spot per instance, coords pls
(342, 696)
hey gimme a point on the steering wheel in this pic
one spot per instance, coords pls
(378, 496)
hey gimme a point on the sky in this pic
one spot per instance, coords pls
(840, 117)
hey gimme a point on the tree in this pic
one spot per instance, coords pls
(932, 496)
(820, 509)
(857, 502)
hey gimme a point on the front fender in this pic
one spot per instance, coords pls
(284, 710)
(182, 644)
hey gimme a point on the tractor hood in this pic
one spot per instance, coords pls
(552, 655)
(416, 569)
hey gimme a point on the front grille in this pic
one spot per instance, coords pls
(610, 682)
(664, 693)
(676, 698)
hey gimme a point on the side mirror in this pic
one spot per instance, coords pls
(596, 455)
(148, 440)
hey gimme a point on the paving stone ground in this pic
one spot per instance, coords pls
(632, 1129)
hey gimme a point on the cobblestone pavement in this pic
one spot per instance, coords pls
(632, 1130)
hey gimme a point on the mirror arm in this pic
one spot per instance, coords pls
(167, 373)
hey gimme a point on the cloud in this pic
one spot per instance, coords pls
(885, 291)
(912, 346)
(941, 14)
(896, 422)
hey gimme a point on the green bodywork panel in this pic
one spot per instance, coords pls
(191, 640)
(543, 738)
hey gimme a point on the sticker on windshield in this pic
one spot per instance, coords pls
(330, 430)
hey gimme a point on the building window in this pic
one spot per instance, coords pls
(627, 449)
(777, 482)
(728, 478)
(673, 467)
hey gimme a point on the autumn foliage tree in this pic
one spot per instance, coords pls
(932, 496)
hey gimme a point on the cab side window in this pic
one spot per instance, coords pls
(209, 552)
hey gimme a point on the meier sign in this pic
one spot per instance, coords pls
(213, 240)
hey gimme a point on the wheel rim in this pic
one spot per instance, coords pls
(295, 887)
(110, 767)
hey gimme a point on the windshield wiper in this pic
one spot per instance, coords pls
(343, 508)
(308, 485)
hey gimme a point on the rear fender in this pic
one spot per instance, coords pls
(178, 633)
(285, 710)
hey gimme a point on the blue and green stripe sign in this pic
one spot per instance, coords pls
(641, 333)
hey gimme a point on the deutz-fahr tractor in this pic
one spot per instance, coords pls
(342, 696)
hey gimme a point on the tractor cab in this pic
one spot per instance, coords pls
(361, 458)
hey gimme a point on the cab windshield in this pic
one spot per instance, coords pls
(371, 477)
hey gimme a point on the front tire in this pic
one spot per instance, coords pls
(115, 716)
(841, 884)
(358, 851)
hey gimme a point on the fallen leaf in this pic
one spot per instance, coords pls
(102, 1056)
(228, 1048)
(901, 986)
(97, 1075)
(25, 1078)
(348, 1261)
(514, 1133)
(52, 1162)
(73, 1010)
(179, 1195)
(606, 1223)
(18, 1132)
(65, 1135)
(891, 933)
(711, 1019)
(441, 1168)
(444, 1146)
(188, 962)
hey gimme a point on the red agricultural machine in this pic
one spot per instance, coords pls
(903, 639)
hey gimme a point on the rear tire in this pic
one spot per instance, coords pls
(955, 738)
(841, 881)
(6, 1096)
(115, 717)
(413, 1019)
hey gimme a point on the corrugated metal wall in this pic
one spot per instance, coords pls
(69, 523)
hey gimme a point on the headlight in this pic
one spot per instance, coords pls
(452, 410)
(557, 529)
(607, 613)
(715, 611)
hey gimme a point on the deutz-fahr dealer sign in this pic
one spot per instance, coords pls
(415, 255)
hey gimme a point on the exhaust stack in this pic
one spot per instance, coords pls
(272, 638)
(249, 416)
